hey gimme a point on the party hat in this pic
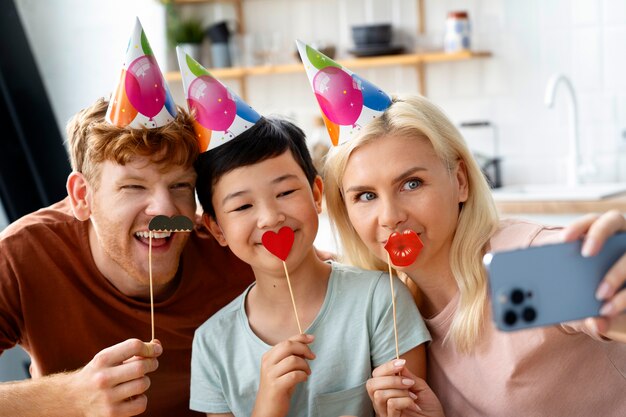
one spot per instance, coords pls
(220, 115)
(348, 102)
(141, 97)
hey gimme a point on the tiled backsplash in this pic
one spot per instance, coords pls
(530, 40)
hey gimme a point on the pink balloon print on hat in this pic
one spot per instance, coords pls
(215, 108)
(144, 86)
(338, 96)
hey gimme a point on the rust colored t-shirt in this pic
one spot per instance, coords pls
(57, 305)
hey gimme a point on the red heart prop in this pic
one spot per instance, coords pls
(404, 247)
(279, 244)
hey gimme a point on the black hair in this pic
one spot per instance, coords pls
(268, 138)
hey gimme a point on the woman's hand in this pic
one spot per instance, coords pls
(397, 392)
(282, 368)
(595, 230)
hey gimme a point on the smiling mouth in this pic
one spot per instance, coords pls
(158, 238)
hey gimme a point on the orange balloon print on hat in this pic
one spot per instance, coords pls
(333, 130)
(122, 112)
(203, 135)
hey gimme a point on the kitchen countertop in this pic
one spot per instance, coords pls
(560, 207)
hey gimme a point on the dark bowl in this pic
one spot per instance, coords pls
(374, 34)
(218, 33)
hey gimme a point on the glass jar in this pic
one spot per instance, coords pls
(457, 34)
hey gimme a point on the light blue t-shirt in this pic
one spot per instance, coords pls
(353, 335)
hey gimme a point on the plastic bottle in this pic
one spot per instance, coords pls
(457, 35)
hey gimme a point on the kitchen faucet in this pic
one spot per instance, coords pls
(573, 174)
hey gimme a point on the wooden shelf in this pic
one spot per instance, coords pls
(416, 60)
(205, 1)
(560, 207)
(354, 63)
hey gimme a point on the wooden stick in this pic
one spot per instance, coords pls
(151, 292)
(393, 303)
(293, 301)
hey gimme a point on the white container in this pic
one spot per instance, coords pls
(457, 35)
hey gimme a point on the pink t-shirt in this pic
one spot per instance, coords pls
(552, 371)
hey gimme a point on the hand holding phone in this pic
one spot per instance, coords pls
(549, 284)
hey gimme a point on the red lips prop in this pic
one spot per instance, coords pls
(403, 248)
(279, 244)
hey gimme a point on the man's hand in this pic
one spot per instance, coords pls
(114, 382)
(111, 384)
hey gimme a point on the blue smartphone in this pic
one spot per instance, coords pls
(549, 284)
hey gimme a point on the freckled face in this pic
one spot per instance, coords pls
(127, 198)
(397, 183)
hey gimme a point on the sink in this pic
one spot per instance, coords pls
(558, 192)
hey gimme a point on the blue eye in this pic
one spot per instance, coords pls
(368, 196)
(411, 184)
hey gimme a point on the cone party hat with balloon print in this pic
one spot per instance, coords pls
(220, 115)
(141, 97)
(348, 102)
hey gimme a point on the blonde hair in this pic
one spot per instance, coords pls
(91, 141)
(415, 116)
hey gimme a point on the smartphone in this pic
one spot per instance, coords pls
(549, 284)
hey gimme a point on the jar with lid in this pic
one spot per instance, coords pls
(457, 34)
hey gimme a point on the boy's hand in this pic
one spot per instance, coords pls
(397, 392)
(282, 368)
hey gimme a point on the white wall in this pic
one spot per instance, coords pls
(530, 40)
(79, 46)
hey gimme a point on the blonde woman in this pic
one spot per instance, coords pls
(411, 169)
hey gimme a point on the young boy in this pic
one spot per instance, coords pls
(249, 358)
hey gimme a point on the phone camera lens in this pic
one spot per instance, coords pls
(529, 314)
(510, 317)
(517, 296)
